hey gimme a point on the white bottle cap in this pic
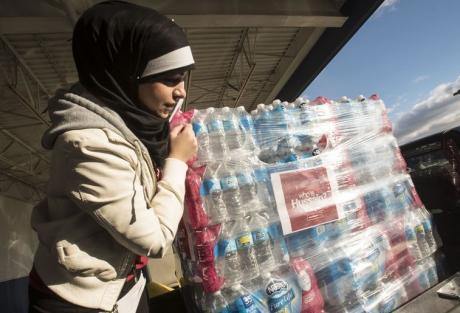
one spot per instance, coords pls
(241, 108)
(269, 107)
(254, 112)
(298, 101)
(276, 102)
(360, 98)
(260, 106)
(344, 99)
(210, 110)
(225, 109)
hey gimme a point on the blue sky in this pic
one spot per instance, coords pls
(409, 53)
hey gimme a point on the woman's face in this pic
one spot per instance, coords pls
(160, 97)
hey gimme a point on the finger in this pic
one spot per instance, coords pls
(188, 129)
(176, 130)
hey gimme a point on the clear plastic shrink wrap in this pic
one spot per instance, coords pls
(302, 207)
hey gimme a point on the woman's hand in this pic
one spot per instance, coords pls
(183, 144)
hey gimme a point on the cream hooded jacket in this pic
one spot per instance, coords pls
(103, 202)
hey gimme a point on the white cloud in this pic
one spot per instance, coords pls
(438, 112)
(421, 78)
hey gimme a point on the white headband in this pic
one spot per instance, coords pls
(169, 61)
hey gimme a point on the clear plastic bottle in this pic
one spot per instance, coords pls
(246, 183)
(262, 244)
(233, 134)
(279, 294)
(263, 187)
(213, 196)
(420, 233)
(241, 301)
(425, 217)
(231, 191)
(202, 136)
(247, 126)
(216, 303)
(218, 147)
(411, 236)
(229, 265)
(246, 251)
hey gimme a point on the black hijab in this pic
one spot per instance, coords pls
(117, 45)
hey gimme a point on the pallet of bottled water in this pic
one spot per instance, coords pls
(302, 207)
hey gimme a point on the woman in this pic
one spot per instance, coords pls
(117, 174)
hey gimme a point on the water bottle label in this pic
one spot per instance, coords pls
(245, 304)
(426, 225)
(274, 230)
(410, 234)
(198, 128)
(244, 240)
(244, 179)
(247, 123)
(261, 174)
(228, 125)
(279, 295)
(210, 186)
(229, 182)
(203, 191)
(388, 305)
(226, 246)
(215, 126)
(260, 235)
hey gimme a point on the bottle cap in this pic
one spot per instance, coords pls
(260, 106)
(241, 108)
(210, 110)
(276, 102)
(298, 101)
(225, 109)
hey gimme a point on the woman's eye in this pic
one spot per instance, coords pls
(173, 80)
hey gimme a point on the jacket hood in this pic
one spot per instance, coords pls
(75, 108)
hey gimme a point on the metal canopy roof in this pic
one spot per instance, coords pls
(245, 53)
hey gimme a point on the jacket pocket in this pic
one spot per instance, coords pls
(81, 263)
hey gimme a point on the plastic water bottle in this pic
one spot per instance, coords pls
(425, 217)
(263, 186)
(233, 135)
(411, 236)
(432, 273)
(262, 245)
(229, 265)
(216, 303)
(216, 133)
(212, 194)
(264, 127)
(279, 294)
(202, 136)
(247, 125)
(231, 191)
(241, 301)
(247, 184)
(246, 251)
(420, 233)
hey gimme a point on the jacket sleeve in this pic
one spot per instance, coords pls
(102, 181)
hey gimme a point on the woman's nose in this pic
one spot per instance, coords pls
(179, 90)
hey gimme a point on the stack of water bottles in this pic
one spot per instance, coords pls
(345, 231)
